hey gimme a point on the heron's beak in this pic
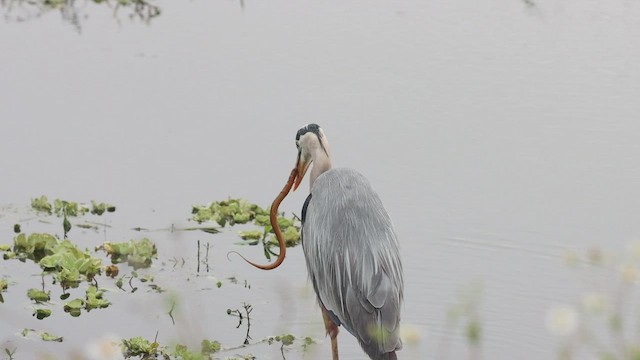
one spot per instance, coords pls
(302, 166)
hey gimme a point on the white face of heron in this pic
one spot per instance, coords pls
(313, 147)
(310, 143)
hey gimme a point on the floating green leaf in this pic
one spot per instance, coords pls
(38, 296)
(42, 313)
(100, 208)
(41, 204)
(73, 307)
(251, 235)
(50, 337)
(5, 247)
(95, 300)
(287, 339)
(137, 253)
(210, 347)
(138, 346)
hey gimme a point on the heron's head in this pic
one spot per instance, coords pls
(309, 140)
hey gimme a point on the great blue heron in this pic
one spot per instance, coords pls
(350, 247)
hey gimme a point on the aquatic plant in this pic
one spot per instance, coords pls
(239, 211)
(603, 321)
(136, 253)
(66, 209)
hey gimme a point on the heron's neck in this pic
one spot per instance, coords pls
(321, 164)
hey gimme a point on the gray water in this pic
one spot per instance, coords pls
(499, 136)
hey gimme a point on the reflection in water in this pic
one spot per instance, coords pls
(74, 11)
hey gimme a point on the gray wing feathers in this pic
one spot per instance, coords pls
(353, 259)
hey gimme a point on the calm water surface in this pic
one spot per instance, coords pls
(498, 135)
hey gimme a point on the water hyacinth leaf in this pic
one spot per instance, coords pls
(137, 253)
(5, 247)
(38, 296)
(94, 299)
(68, 208)
(41, 204)
(50, 337)
(308, 341)
(100, 208)
(287, 339)
(9, 255)
(210, 347)
(69, 278)
(284, 223)
(251, 235)
(3, 287)
(42, 313)
(242, 218)
(74, 307)
(138, 346)
(262, 220)
(291, 236)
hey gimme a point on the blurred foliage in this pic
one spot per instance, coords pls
(604, 321)
(3, 287)
(74, 11)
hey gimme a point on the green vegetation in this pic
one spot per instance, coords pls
(599, 323)
(3, 287)
(42, 313)
(38, 296)
(145, 349)
(136, 253)
(78, 270)
(239, 211)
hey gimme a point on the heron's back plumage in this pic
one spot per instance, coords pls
(353, 259)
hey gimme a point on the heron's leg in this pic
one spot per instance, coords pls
(332, 331)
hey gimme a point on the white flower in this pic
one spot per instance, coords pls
(410, 334)
(634, 249)
(562, 320)
(594, 303)
(629, 273)
(105, 348)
